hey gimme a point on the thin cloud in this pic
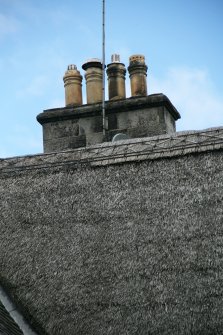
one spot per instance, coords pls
(194, 95)
(37, 87)
(8, 25)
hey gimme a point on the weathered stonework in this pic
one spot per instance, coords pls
(66, 128)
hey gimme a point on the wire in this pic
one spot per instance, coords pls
(103, 68)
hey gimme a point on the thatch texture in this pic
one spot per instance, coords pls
(130, 248)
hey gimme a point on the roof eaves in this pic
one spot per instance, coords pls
(10, 316)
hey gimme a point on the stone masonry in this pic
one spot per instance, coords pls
(78, 125)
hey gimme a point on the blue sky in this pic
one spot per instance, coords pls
(181, 40)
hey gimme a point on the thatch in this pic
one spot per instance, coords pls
(128, 248)
(151, 148)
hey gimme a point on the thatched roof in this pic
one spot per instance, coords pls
(163, 146)
(117, 238)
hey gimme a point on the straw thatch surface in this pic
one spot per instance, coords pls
(131, 248)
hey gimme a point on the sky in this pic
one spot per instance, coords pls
(181, 41)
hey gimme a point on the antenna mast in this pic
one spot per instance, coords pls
(103, 67)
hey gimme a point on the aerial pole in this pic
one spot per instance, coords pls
(103, 67)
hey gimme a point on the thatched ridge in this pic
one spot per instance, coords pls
(177, 144)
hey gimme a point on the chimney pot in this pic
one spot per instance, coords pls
(116, 78)
(137, 59)
(93, 76)
(138, 73)
(73, 86)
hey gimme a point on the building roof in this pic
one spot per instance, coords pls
(117, 238)
(176, 144)
(7, 324)
(12, 321)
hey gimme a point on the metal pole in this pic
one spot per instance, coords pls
(103, 67)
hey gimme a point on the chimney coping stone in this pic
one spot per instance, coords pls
(118, 106)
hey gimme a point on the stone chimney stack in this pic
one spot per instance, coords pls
(138, 73)
(73, 86)
(116, 78)
(93, 76)
(139, 116)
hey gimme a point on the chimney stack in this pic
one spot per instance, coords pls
(137, 74)
(73, 86)
(116, 78)
(93, 76)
